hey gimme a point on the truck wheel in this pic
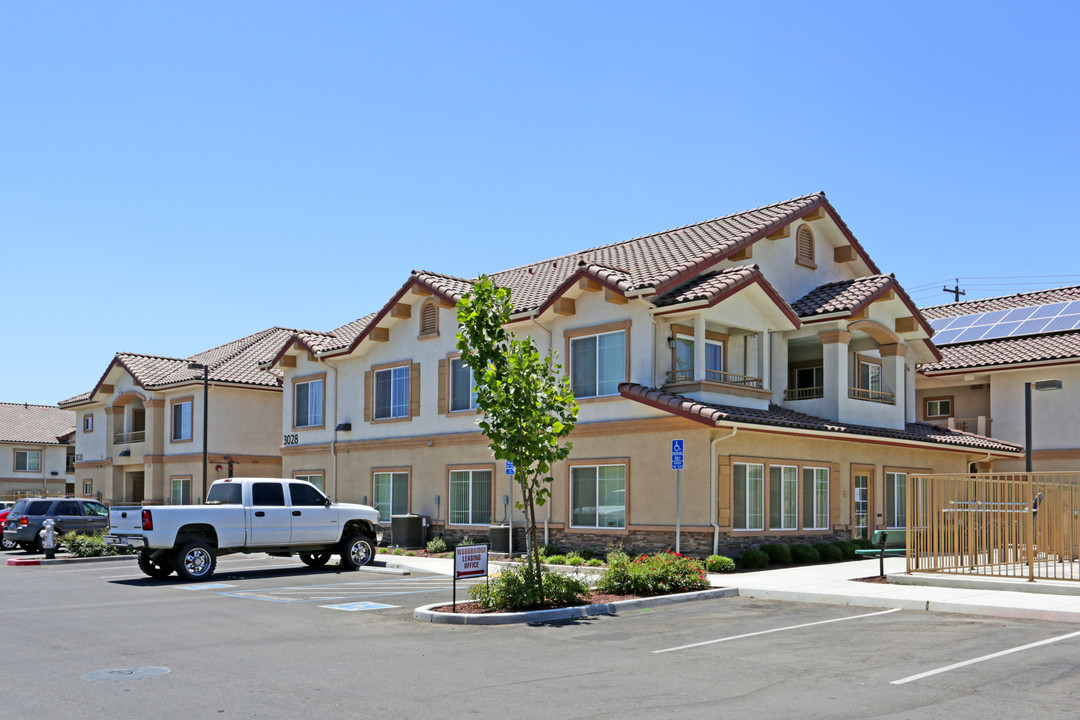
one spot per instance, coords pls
(9, 544)
(195, 561)
(356, 551)
(159, 568)
(314, 559)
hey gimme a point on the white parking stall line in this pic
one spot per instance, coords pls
(344, 591)
(775, 630)
(991, 656)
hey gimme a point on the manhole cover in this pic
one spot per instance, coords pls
(120, 674)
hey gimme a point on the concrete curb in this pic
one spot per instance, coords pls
(427, 614)
(25, 562)
(1044, 587)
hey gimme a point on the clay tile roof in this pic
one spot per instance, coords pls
(1007, 351)
(776, 416)
(841, 296)
(37, 424)
(708, 286)
(80, 398)
(651, 260)
(452, 287)
(337, 338)
(1003, 302)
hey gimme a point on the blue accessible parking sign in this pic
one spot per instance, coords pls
(676, 454)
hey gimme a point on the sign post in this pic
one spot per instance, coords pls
(510, 511)
(676, 465)
(469, 561)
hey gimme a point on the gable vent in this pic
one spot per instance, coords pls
(429, 319)
(804, 246)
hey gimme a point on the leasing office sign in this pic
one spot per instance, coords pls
(470, 561)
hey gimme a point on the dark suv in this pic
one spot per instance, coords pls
(25, 520)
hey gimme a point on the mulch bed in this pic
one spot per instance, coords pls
(593, 599)
(879, 579)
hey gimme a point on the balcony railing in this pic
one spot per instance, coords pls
(807, 393)
(979, 425)
(716, 376)
(878, 396)
(129, 437)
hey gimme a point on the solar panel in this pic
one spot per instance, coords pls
(1056, 317)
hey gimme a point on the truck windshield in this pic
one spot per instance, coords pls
(225, 494)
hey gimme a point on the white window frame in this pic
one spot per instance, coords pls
(27, 455)
(596, 480)
(937, 403)
(88, 487)
(88, 423)
(873, 376)
(392, 478)
(452, 384)
(185, 421)
(789, 493)
(748, 509)
(815, 509)
(314, 409)
(475, 516)
(895, 500)
(596, 380)
(399, 378)
(178, 483)
(315, 479)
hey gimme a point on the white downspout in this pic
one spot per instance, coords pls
(333, 433)
(547, 517)
(715, 486)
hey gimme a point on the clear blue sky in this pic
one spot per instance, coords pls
(177, 175)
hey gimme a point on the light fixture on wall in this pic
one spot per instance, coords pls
(125, 453)
(343, 427)
(1039, 385)
(671, 342)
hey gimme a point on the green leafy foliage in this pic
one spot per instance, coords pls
(437, 545)
(555, 559)
(779, 554)
(516, 589)
(468, 540)
(847, 549)
(753, 559)
(546, 550)
(575, 560)
(594, 562)
(804, 554)
(863, 543)
(828, 552)
(90, 545)
(525, 402)
(719, 564)
(648, 575)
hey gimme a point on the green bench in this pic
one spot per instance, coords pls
(886, 542)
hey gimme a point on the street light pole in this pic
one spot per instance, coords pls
(205, 417)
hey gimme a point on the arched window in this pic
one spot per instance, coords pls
(804, 246)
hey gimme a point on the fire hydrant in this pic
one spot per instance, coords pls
(48, 538)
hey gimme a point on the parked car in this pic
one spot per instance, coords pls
(27, 517)
(6, 544)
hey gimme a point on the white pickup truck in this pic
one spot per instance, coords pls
(268, 515)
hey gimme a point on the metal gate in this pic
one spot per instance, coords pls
(1020, 525)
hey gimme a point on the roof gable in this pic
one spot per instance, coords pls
(35, 424)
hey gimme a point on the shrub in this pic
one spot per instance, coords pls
(575, 560)
(647, 575)
(804, 554)
(469, 540)
(397, 551)
(410, 553)
(779, 554)
(573, 554)
(594, 562)
(514, 589)
(555, 560)
(828, 552)
(847, 549)
(546, 550)
(753, 559)
(437, 545)
(719, 564)
(863, 543)
(585, 555)
(90, 545)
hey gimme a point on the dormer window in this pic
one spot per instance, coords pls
(804, 247)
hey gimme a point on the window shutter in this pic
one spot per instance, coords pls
(443, 372)
(838, 499)
(367, 396)
(804, 245)
(414, 390)
(429, 318)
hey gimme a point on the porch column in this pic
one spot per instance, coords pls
(699, 347)
(893, 367)
(114, 422)
(764, 343)
(834, 350)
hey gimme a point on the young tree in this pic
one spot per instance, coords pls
(525, 402)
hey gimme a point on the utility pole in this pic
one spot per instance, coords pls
(956, 291)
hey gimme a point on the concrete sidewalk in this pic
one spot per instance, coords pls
(836, 584)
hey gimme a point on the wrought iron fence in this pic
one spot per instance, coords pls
(1019, 525)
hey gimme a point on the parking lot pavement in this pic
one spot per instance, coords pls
(269, 646)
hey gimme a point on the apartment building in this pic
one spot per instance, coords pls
(36, 450)
(139, 432)
(767, 341)
(991, 349)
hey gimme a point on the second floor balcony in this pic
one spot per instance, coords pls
(715, 376)
(126, 438)
(878, 396)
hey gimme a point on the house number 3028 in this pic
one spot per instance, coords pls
(293, 439)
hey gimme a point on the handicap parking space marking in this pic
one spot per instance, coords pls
(357, 606)
(211, 586)
(345, 591)
(775, 630)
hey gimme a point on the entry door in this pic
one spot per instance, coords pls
(862, 507)
(137, 489)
